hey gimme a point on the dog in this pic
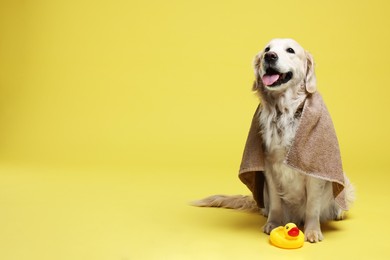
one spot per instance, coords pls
(285, 78)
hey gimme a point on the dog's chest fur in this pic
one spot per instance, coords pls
(279, 123)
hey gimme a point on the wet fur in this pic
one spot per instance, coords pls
(289, 195)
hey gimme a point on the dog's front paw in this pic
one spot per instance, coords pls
(313, 236)
(269, 226)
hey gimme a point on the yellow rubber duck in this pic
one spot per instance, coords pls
(288, 237)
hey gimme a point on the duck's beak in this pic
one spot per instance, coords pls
(294, 232)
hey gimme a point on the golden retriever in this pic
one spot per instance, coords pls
(284, 78)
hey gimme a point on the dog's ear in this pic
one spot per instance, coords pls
(310, 79)
(257, 84)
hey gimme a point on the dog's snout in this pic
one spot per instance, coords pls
(271, 57)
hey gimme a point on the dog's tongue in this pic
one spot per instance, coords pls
(268, 80)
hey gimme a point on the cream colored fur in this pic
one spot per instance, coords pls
(289, 195)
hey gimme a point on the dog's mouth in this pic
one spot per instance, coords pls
(273, 78)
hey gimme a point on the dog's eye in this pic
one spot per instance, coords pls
(267, 49)
(290, 50)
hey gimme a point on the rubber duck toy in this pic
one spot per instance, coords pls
(288, 237)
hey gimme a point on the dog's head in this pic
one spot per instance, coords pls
(284, 64)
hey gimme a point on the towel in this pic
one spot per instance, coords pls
(314, 152)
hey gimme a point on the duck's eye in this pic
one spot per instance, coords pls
(267, 49)
(290, 50)
(287, 227)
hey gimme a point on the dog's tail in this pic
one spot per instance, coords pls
(238, 202)
(350, 194)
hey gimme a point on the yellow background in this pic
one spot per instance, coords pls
(115, 114)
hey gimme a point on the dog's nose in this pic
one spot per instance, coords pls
(271, 57)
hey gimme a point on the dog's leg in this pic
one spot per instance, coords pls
(275, 206)
(314, 190)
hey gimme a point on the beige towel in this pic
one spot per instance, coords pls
(314, 151)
